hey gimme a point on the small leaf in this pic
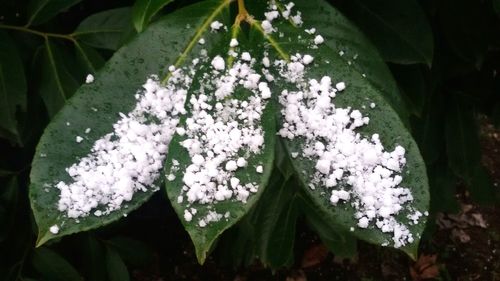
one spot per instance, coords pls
(40, 11)
(55, 82)
(117, 270)
(52, 266)
(399, 29)
(12, 88)
(462, 140)
(106, 30)
(133, 251)
(144, 10)
(480, 186)
(94, 259)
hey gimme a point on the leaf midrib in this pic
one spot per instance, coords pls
(54, 69)
(199, 32)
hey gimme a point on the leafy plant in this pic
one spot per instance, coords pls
(413, 78)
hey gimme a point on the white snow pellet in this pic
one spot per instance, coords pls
(89, 79)
(218, 63)
(187, 216)
(318, 39)
(241, 162)
(259, 169)
(340, 86)
(79, 139)
(267, 26)
(201, 41)
(216, 25)
(231, 166)
(87, 130)
(372, 105)
(307, 59)
(54, 229)
(246, 56)
(233, 43)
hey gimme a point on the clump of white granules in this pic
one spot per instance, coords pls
(221, 132)
(128, 159)
(355, 169)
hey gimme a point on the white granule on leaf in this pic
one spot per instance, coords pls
(218, 63)
(129, 159)
(221, 132)
(372, 105)
(318, 39)
(310, 31)
(307, 59)
(259, 169)
(89, 79)
(54, 229)
(87, 130)
(233, 43)
(340, 86)
(201, 41)
(267, 27)
(79, 139)
(216, 25)
(354, 170)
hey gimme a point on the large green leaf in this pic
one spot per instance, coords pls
(12, 88)
(40, 11)
(399, 29)
(107, 30)
(97, 106)
(384, 121)
(204, 237)
(144, 10)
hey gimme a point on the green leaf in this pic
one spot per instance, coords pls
(117, 270)
(480, 186)
(413, 86)
(462, 140)
(383, 121)
(204, 237)
(9, 199)
(144, 10)
(12, 88)
(40, 11)
(55, 82)
(496, 6)
(429, 129)
(466, 28)
(399, 29)
(443, 189)
(97, 106)
(107, 29)
(359, 53)
(133, 251)
(52, 266)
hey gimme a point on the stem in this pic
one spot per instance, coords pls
(36, 32)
